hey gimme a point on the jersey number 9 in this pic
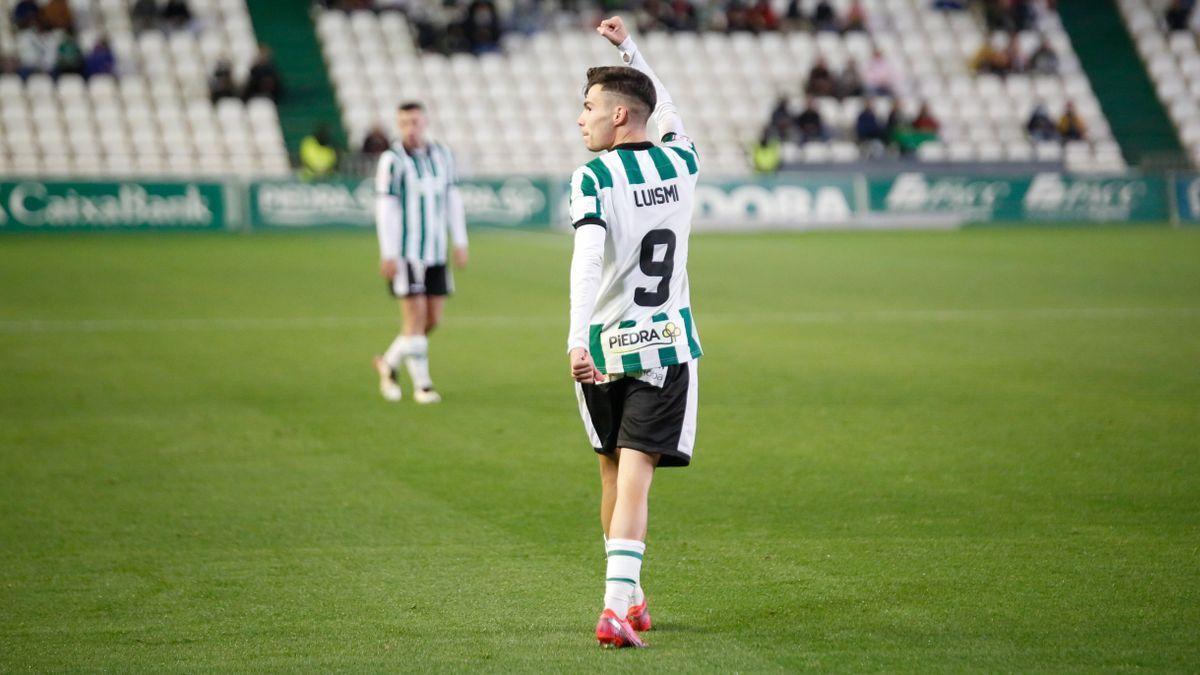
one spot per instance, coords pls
(656, 268)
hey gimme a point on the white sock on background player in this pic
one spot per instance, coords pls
(396, 351)
(623, 573)
(417, 359)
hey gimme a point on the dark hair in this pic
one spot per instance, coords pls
(409, 106)
(625, 82)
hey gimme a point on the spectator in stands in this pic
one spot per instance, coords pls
(1023, 15)
(925, 122)
(69, 57)
(58, 16)
(879, 79)
(220, 83)
(37, 49)
(1177, 15)
(1043, 61)
(767, 154)
(263, 79)
(144, 15)
(100, 61)
(176, 15)
(793, 16)
(1012, 54)
(856, 18)
(950, 5)
(25, 14)
(318, 157)
(683, 16)
(998, 15)
(868, 130)
(991, 61)
(481, 27)
(375, 143)
(820, 80)
(824, 18)
(781, 124)
(810, 124)
(762, 17)
(1070, 126)
(850, 83)
(1040, 127)
(904, 133)
(9, 65)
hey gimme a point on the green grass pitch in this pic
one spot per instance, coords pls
(917, 451)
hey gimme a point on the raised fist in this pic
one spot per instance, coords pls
(613, 30)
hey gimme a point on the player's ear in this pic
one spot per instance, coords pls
(620, 115)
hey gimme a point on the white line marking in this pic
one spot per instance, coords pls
(21, 326)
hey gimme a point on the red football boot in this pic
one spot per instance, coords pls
(639, 617)
(613, 631)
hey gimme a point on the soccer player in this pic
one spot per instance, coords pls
(417, 210)
(633, 344)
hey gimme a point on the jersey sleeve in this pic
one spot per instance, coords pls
(685, 148)
(666, 116)
(385, 174)
(586, 208)
(388, 209)
(455, 211)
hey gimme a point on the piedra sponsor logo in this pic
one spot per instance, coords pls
(772, 204)
(915, 192)
(1052, 195)
(129, 204)
(631, 341)
(316, 204)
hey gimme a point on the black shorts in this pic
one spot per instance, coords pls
(630, 413)
(415, 278)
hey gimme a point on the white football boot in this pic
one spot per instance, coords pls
(389, 386)
(426, 396)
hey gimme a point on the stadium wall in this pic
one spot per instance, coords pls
(834, 201)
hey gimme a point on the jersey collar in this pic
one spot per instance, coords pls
(640, 145)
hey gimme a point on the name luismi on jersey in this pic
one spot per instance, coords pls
(655, 196)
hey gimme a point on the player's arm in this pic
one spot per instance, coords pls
(586, 267)
(457, 214)
(388, 214)
(587, 264)
(666, 115)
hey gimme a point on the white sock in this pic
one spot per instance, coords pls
(624, 570)
(638, 596)
(396, 351)
(417, 360)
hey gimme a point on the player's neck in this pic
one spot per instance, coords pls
(415, 147)
(627, 136)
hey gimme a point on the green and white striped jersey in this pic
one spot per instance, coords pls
(643, 195)
(414, 211)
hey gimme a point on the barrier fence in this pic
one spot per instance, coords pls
(847, 201)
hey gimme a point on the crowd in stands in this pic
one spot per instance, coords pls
(1180, 15)
(477, 26)
(47, 42)
(262, 80)
(156, 15)
(992, 59)
(1068, 128)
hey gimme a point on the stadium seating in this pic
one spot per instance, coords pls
(514, 112)
(155, 117)
(1174, 65)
